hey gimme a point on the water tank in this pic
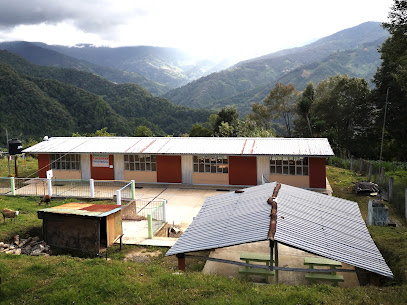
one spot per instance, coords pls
(15, 147)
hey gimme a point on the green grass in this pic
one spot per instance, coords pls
(66, 279)
(26, 168)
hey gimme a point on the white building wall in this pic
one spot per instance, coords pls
(186, 169)
(118, 165)
(85, 166)
(263, 168)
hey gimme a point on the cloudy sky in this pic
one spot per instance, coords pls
(241, 29)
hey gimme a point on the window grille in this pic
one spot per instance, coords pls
(66, 161)
(211, 164)
(140, 163)
(289, 165)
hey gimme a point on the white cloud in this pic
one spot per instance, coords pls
(223, 28)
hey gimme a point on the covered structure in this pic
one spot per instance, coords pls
(323, 225)
(188, 161)
(90, 228)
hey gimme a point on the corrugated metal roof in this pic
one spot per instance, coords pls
(316, 223)
(185, 146)
(83, 209)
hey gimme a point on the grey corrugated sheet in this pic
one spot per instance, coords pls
(316, 223)
(185, 146)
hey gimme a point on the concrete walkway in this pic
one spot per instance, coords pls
(288, 257)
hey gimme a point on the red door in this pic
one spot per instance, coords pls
(101, 167)
(317, 172)
(242, 170)
(169, 169)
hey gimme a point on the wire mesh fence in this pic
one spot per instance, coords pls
(108, 188)
(139, 209)
(377, 172)
(31, 186)
(70, 188)
(5, 186)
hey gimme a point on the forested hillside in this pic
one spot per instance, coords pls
(46, 57)
(244, 83)
(38, 100)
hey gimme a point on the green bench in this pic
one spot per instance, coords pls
(316, 276)
(256, 257)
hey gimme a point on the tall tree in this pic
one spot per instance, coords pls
(392, 75)
(279, 103)
(344, 110)
(304, 106)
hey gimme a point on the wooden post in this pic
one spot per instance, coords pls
(369, 177)
(381, 177)
(405, 202)
(351, 163)
(391, 181)
(360, 166)
(181, 261)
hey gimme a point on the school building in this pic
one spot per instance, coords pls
(190, 161)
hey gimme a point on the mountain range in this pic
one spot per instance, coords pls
(352, 51)
(123, 85)
(38, 100)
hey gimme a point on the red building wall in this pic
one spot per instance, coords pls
(317, 172)
(102, 173)
(169, 169)
(242, 170)
(43, 165)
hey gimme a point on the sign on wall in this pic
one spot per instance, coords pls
(100, 160)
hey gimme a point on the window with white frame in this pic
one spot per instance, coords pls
(66, 161)
(289, 165)
(211, 164)
(140, 163)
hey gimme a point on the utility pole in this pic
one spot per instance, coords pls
(8, 154)
(384, 123)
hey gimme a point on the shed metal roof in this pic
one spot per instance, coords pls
(327, 226)
(185, 146)
(83, 209)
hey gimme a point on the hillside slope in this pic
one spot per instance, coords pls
(87, 102)
(223, 88)
(46, 57)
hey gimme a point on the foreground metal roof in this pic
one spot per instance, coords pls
(324, 225)
(185, 146)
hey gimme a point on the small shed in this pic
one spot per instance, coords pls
(86, 227)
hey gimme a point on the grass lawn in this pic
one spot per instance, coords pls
(65, 279)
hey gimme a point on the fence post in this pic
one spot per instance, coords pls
(92, 188)
(49, 184)
(165, 210)
(351, 163)
(405, 202)
(381, 176)
(13, 186)
(150, 226)
(118, 197)
(369, 177)
(133, 189)
(391, 180)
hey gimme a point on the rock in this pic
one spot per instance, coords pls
(16, 239)
(36, 252)
(1, 244)
(17, 251)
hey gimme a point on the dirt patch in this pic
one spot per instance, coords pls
(141, 255)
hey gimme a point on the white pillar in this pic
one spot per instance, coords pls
(165, 211)
(92, 188)
(118, 197)
(49, 184)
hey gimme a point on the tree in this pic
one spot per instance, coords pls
(198, 130)
(143, 131)
(392, 75)
(227, 115)
(280, 103)
(344, 112)
(304, 106)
